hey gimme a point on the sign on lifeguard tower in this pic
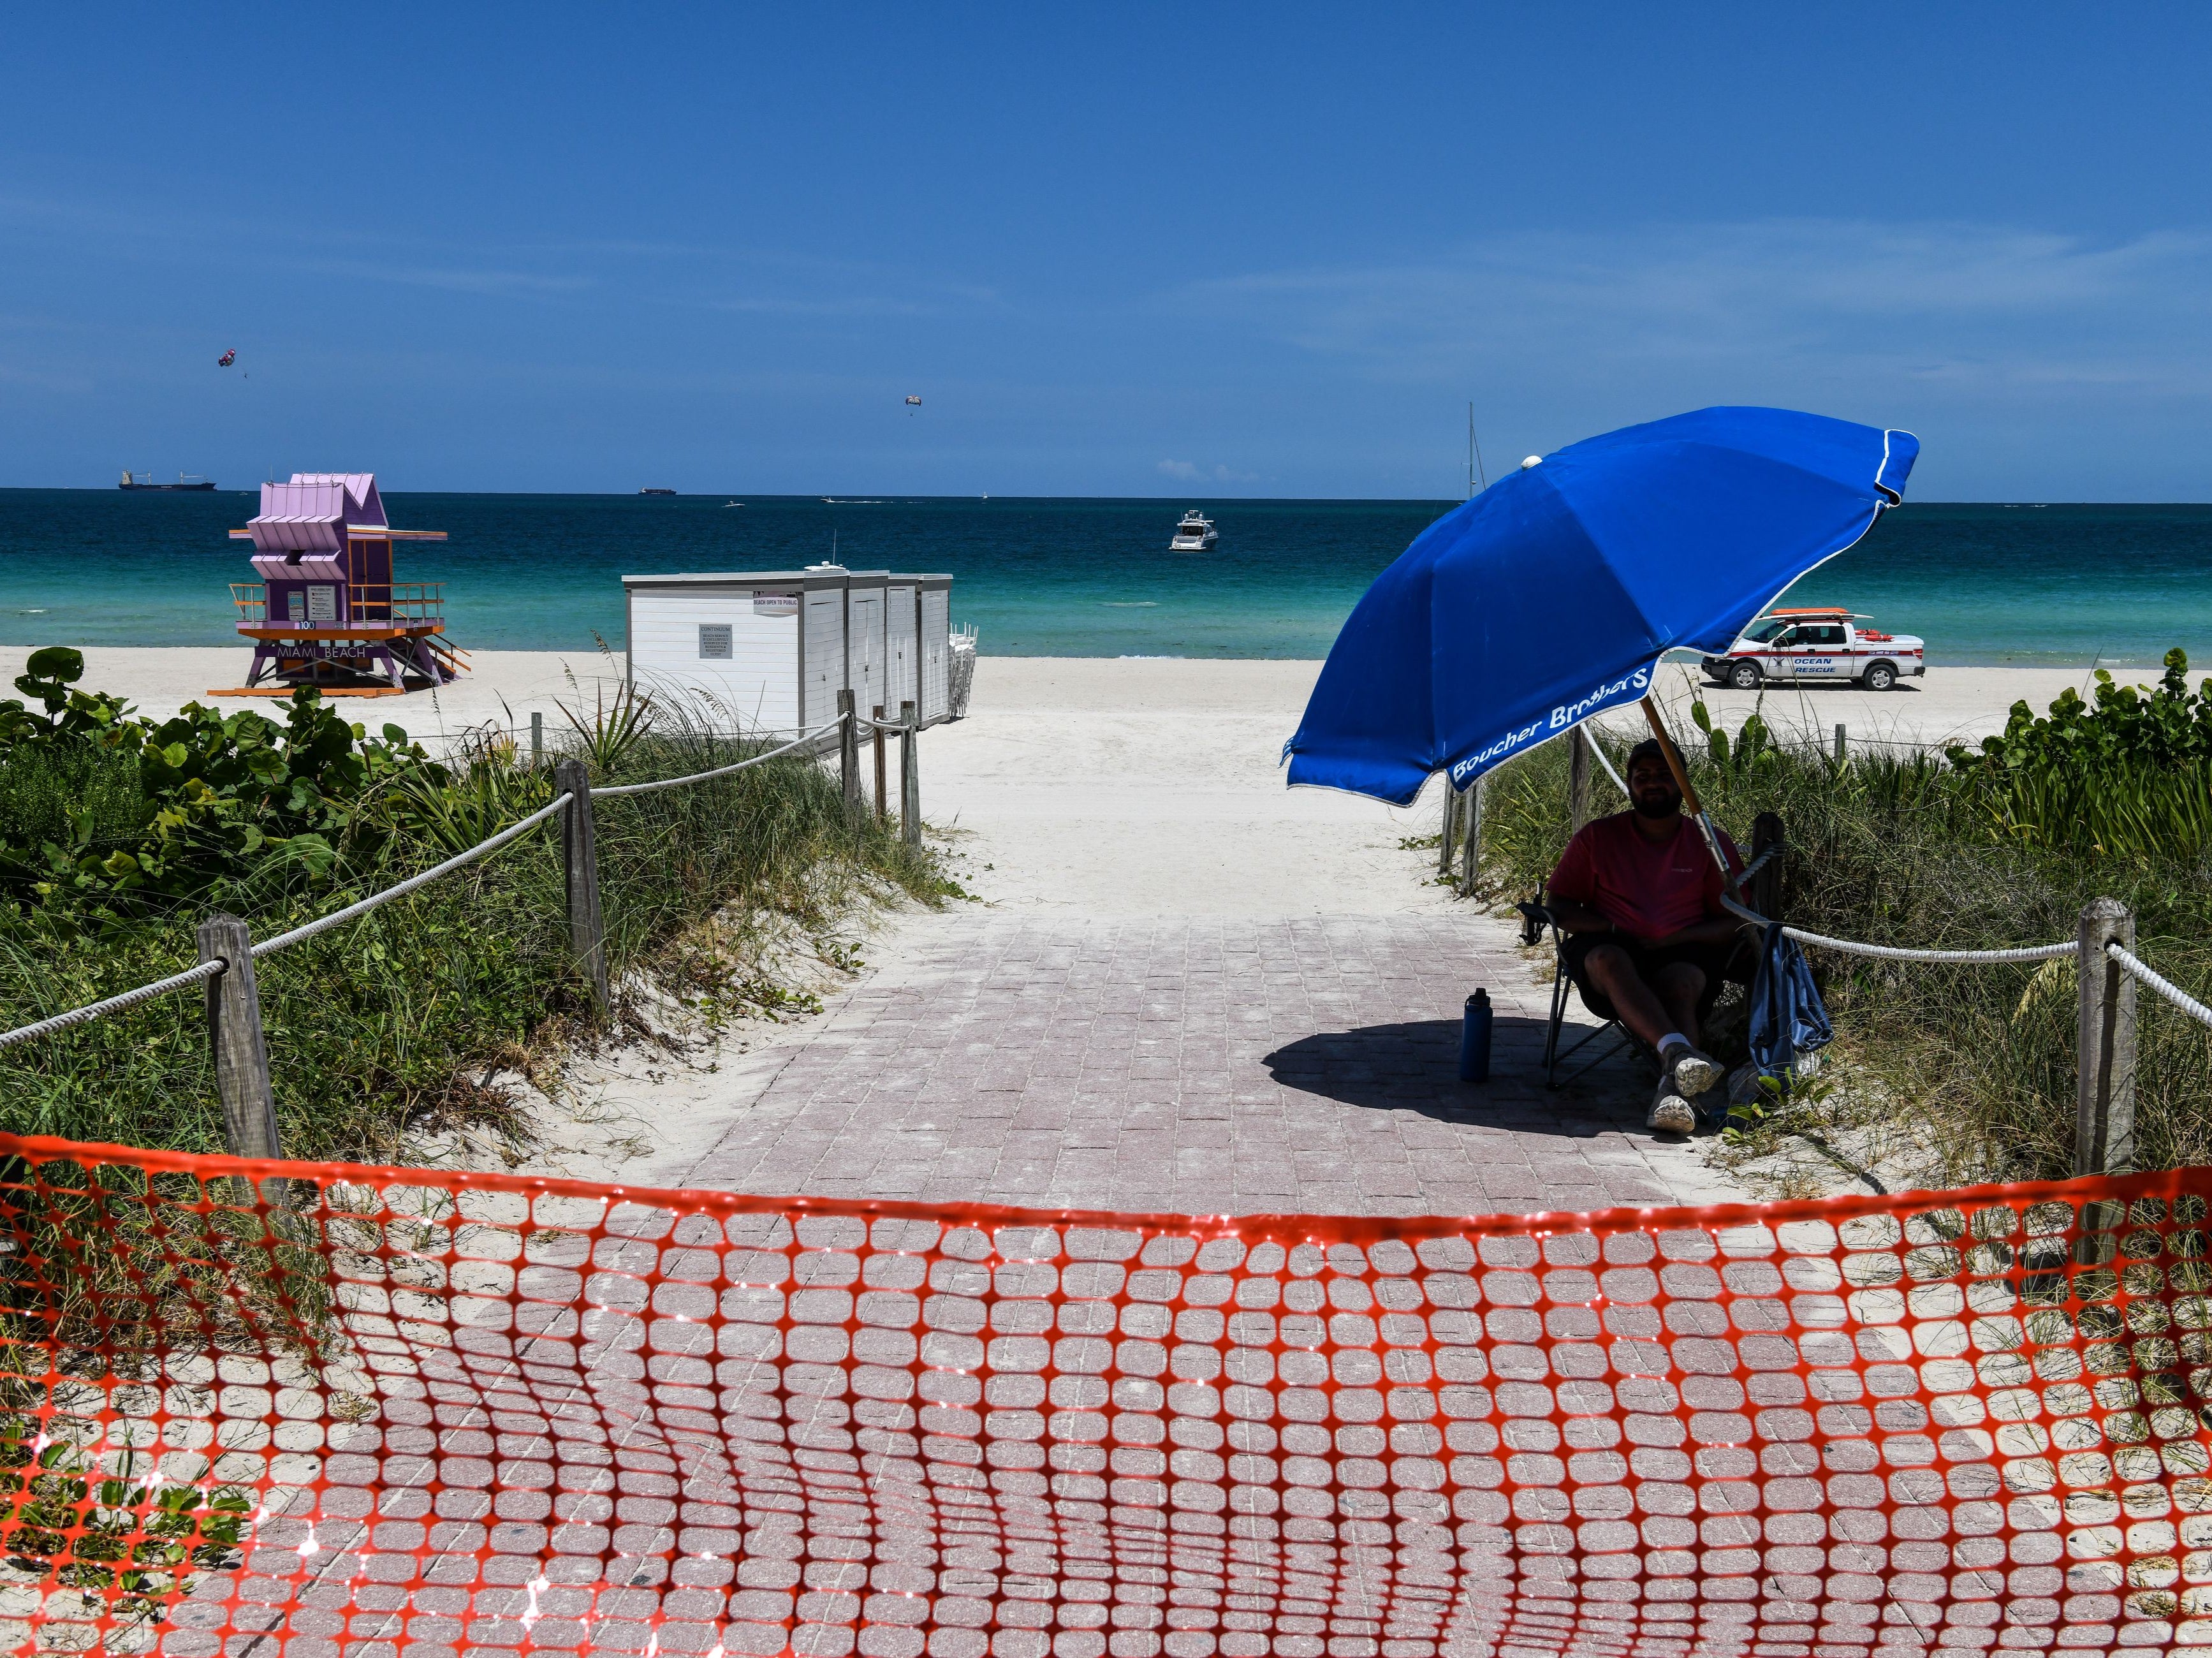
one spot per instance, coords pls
(326, 611)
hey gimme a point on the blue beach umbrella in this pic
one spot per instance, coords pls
(1551, 595)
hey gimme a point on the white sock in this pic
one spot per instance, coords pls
(1671, 1038)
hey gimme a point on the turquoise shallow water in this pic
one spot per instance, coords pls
(1983, 583)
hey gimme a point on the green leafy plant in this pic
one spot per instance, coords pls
(612, 727)
(174, 810)
(2122, 774)
(127, 1545)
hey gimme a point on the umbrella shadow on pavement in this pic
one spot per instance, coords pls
(1413, 1066)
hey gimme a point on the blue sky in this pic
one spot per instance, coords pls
(1124, 250)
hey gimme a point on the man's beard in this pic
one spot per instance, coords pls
(1665, 806)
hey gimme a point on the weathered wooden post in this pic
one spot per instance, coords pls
(537, 738)
(580, 866)
(910, 774)
(2105, 1103)
(848, 755)
(1470, 850)
(1839, 744)
(1578, 778)
(1444, 849)
(882, 808)
(1765, 894)
(241, 1052)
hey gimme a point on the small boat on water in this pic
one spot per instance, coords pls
(1195, 534)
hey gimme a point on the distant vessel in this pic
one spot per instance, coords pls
(184, 481)
(655, 490)
(733, 503)
(1194, 534)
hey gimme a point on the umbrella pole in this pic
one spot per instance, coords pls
(1689, 790)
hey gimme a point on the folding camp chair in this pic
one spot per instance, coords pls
(1536, 919)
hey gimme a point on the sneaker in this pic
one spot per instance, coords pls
(1692, 1073)
(1671, 1113)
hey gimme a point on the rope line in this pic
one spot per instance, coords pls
(190, 975)
(1617, 782)
(2165, 987)
(803, 738)
(1892, 953)
(353, 911)
(340, 917)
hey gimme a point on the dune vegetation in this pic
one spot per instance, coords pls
(118, 833)
(1976, 849)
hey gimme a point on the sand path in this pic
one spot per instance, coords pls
(1185, 988)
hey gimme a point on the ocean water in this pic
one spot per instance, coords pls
(2017, 583)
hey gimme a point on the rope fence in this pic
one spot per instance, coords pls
(234, 1017)
(190, 975)
(799, 742)
(299, 935)
(2165, 987)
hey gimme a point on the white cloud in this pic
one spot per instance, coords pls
(1976, 303)
(1191, 473)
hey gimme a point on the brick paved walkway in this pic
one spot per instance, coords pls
(1195, 1066)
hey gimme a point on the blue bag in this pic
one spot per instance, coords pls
(1788, 1017)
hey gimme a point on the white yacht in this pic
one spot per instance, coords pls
(1195, 534)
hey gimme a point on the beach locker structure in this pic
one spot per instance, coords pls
(932, 603)
(902, 644)
(866, 643)
(766, 648)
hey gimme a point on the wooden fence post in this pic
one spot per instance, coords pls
(1470, 850)
(848, 755)
(882, 809)
(1578, 778)
(1765, 894)
(909, 775)
(1839, 744)
(580, 866)
(1451, 809)
(242, 1052)
(2104, 1104)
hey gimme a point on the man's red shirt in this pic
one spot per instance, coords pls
(1643, 888)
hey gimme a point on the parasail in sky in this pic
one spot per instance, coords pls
(913, 403)
(227, 358)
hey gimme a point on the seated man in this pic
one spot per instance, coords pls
(1638, 896)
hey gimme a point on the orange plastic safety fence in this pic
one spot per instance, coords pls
(307, 1409)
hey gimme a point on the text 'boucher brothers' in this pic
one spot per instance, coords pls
(1565, 714)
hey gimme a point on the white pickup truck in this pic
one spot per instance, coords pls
(1801, 645)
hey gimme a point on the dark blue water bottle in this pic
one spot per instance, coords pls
(1475, 1039)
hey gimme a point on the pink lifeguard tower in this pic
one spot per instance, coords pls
(326, 611)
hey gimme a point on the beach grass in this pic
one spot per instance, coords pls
(1909, 849)
(416, 1019)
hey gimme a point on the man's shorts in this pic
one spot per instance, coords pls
(1647, 958)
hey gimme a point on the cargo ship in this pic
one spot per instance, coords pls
(145, 481)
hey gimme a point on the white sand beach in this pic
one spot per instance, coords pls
(1126, 786)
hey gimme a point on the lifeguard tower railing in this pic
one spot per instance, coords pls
(402, 603)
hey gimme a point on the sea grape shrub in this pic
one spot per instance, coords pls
(220, 799)
(1754, 745)
(71, 715)
(2121, 728)
(2123, 775)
